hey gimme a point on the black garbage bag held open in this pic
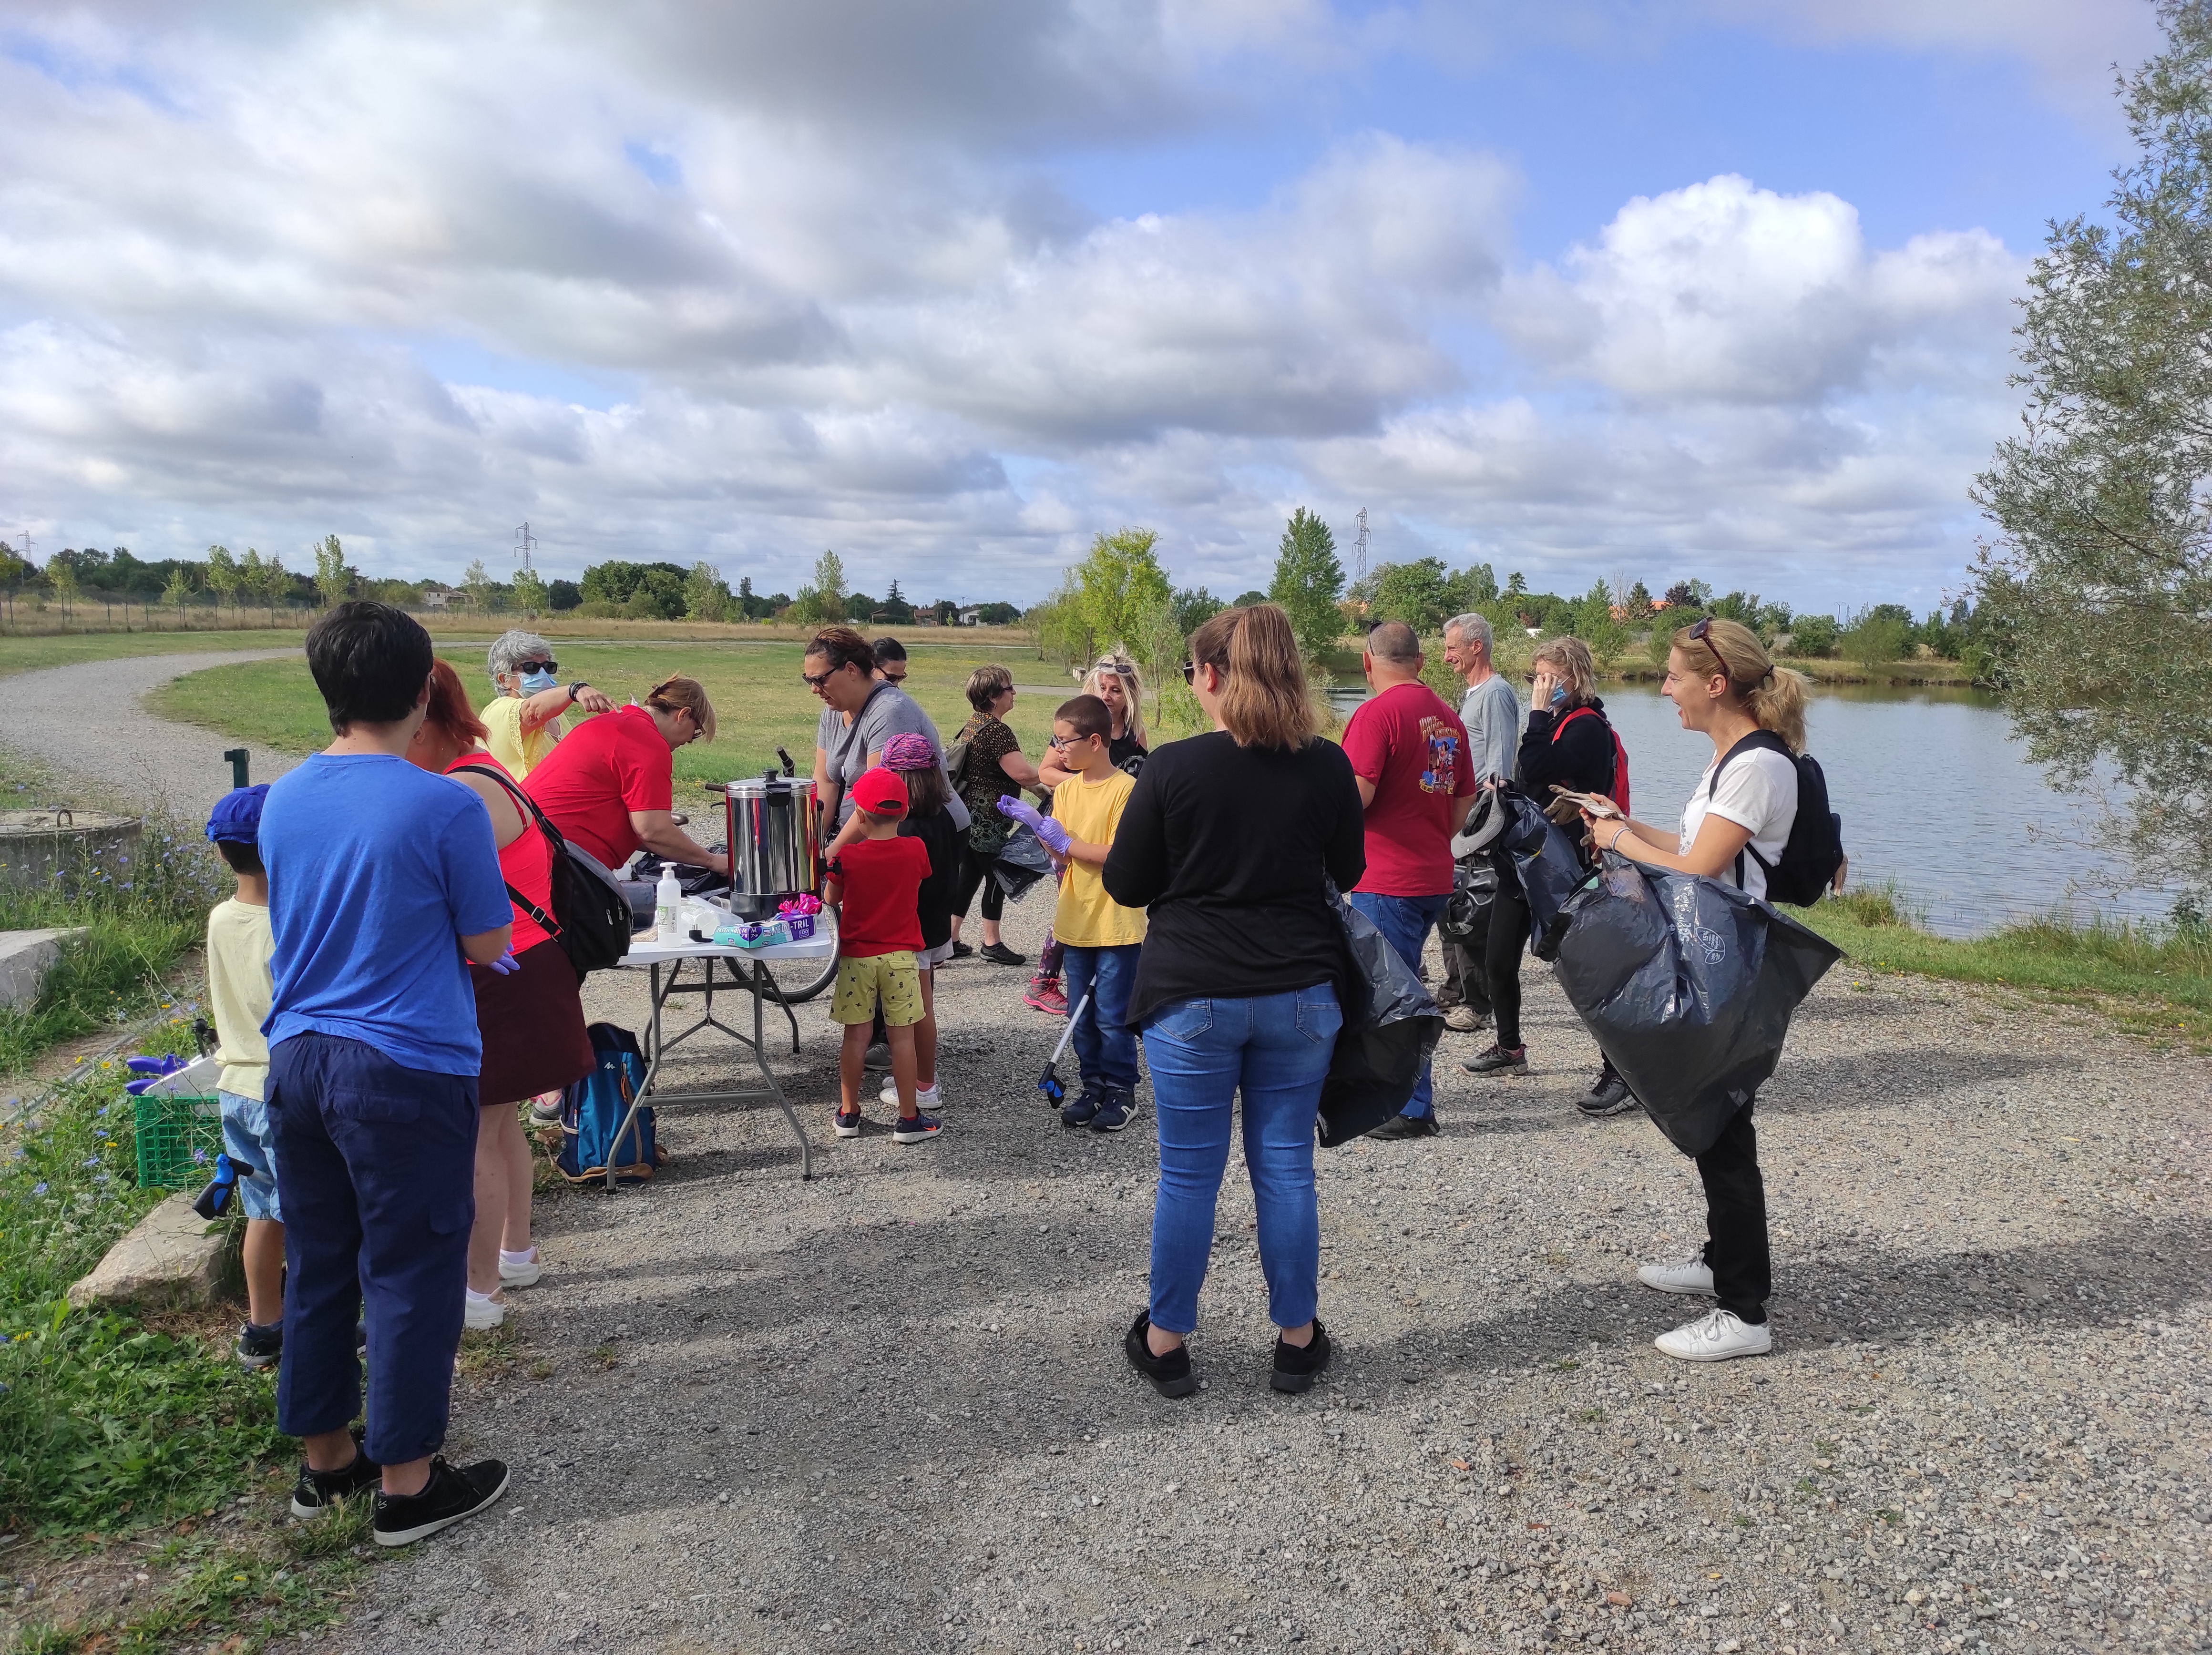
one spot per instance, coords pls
(1390, 1027)
(1544, 857)
(1687, 985)
(1021, 862)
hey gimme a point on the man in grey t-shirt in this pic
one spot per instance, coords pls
(1492, 713)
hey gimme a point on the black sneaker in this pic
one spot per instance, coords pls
(1297, 1366)
(1116, 1112)
(878, 1057)
(260, 1346)
(1171, 1374)
(1499, 1060)
(316, 1492)
(1406, 1126)
(450, 1494)
(960, 950)
(1081, 1109)
(1000, 955)
(1608, 1095)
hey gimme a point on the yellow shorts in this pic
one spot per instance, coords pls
(861, 980)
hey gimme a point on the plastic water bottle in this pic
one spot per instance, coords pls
(667, 907)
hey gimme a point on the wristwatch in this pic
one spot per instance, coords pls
(581, 683)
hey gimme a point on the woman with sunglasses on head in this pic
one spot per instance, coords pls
(609, 786)
(1567, 742)
(522, 720)
(1229, 842)
(1726, 687)
(1116, 681)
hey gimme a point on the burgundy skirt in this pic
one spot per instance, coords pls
(532, 1025)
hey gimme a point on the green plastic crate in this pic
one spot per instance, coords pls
(170, 1130)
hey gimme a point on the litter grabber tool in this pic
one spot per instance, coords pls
(213, 1201)
(1049, 1083)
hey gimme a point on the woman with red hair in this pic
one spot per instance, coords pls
(531, 1017)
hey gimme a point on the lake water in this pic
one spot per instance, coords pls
(1934, 795)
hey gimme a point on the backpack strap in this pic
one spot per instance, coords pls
(1759, 740)
(552, 835)
(1572, 714)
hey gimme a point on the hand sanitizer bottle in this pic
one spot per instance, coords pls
(667, 907)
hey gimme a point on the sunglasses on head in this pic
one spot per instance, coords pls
(1702, 633)
(536, 666)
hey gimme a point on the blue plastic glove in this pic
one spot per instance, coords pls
(507, 965)
(1050, 834)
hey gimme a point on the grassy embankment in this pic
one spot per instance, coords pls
(2147, 980)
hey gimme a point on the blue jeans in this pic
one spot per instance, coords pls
(1277, 1048)
(1404, 922)
(1105, 1045)
(247, 1138)
(378, 1167)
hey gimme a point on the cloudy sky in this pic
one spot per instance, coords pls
(1711, 287)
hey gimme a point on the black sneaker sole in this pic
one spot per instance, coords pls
(1291, 1382)
(423, 1531)
(1603, 1111)
(1099, 1124)
(254, 1363)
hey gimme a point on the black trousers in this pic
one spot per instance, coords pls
(1501, 962)
(1735, 1221)
(976, 871)
(1466, 981)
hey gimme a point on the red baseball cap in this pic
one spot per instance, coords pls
(880, 792)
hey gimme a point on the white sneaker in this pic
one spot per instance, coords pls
(480, 1310)
(524, 1275)
(923, 1099)
(1693, 1275)
(1715, 1337)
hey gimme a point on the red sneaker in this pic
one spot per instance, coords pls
(1045, 995)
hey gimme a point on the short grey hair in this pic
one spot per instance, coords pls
(1472, 628)
(510, 647)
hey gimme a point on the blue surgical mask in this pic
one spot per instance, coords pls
(534, 682)
(1559, 694)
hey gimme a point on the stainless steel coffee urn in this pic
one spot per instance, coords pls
(775, 841)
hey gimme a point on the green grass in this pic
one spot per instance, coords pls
(2156, 980)
(759, 702)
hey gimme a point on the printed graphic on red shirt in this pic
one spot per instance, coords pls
(1445, 743)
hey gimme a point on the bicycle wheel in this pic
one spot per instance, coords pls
(795, 982)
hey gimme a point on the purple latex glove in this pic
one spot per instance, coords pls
(1049, 832)
(506, 965)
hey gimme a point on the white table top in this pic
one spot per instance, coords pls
(646, 950)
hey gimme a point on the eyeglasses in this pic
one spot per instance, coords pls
(527, 667)
(1702, 634)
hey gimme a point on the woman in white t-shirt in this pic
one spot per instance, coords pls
(1725, 687)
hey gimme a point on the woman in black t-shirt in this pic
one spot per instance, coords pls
(1228, 841)
(994, 767)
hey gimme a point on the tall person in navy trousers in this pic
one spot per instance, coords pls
(383, 880)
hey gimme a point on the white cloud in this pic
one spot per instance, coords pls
(842, 302)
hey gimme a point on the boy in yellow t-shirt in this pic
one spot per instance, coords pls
(1102, 937)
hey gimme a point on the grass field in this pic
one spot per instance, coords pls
(760, 703)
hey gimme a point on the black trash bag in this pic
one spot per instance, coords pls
(1466, 920)
(1688, 986)
(1544, 857)
(1388, 1034)
(694, 880)
(1021, 862)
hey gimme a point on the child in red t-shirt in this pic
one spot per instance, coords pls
(877, 877)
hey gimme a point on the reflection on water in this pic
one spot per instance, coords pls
(1934, 793)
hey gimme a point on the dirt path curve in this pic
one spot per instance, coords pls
(86, 720)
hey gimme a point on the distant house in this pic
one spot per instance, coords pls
(972, 616)
(438, 598)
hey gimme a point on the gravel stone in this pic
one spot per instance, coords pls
(888, 1410)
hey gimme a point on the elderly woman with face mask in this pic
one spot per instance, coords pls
(523, 720)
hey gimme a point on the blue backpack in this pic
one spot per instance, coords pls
(592, 1110)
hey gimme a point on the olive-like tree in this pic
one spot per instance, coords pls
(2095, 597)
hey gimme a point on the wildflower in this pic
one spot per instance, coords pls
(40, 1188)
(100, 1177)
(91, 1161)
(102, 1114)
(199, 1156)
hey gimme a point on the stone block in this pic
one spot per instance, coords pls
(172, 1256)
(26, 957)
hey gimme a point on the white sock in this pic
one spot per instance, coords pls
(528, 1255)
(478, 1298)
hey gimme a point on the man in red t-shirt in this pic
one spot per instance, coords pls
(1409, 753)
(609, 787)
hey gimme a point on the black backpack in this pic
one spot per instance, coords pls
(591, 918)
(1814, 849)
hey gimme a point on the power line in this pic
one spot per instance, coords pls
(524, 544)
(1360, 549)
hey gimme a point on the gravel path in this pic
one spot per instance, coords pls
(888, 1410)
(85, 719)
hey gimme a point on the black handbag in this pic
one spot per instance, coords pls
(591, 918)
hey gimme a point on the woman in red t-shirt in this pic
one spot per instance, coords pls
(531, 1018)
